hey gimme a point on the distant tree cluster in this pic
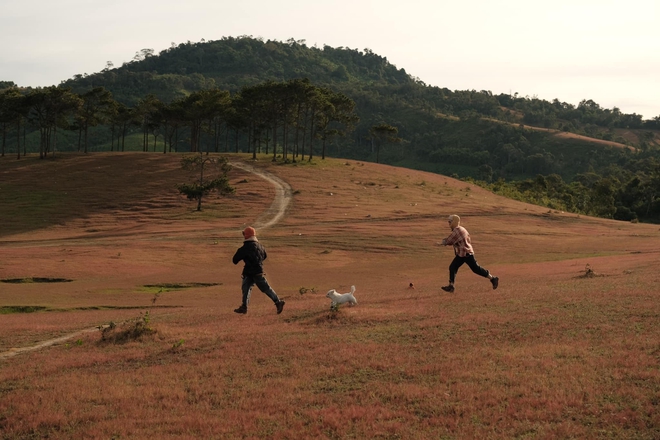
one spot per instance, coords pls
(568, 117)
(285, 118)
(620, 194)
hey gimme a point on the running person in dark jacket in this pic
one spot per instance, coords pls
(254, 254)
(464, 254)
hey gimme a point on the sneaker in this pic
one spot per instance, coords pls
(241, 309)
(449, 288)
(495, 281)
(280, 306)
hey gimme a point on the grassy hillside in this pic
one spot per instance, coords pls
(603, 162)
(566, 347)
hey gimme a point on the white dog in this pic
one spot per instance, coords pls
(341, 298)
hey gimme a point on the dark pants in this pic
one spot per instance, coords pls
(471, 262)
(262, 284)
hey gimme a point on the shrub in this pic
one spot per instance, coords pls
(130, 331)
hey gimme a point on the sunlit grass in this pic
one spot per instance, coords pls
(471, 371)
(550, 354)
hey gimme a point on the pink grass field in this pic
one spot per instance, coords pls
(552, 353)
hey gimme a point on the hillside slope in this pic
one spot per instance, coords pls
(136, 188)
(565, 347)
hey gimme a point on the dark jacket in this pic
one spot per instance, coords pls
(254, 254)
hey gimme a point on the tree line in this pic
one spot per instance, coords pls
(620, 195)
(568, 117)
(292, 118)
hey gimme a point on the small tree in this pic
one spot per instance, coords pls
(212, 177)
(383, 134)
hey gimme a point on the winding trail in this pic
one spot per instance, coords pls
(270, 217)
(280, 204)
(14, 351)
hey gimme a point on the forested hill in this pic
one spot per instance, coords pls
(232, 63)
(381, 90)
(600, 161)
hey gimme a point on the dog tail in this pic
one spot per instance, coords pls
(352, 290)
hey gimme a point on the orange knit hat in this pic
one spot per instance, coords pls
(249, 232)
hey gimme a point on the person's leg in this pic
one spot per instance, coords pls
(263, 285)
(246, 288)
(453, 269)
(472, 263)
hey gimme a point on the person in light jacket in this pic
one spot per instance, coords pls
(464, 253)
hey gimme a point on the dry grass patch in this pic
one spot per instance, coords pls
(548, 355)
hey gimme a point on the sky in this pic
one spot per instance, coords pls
(604, 50)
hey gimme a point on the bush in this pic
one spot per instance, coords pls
(130, 330)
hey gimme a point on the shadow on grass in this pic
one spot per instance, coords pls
(324, 317)
(35, 280)
(178, 286)
(6, 310)
(157, 289)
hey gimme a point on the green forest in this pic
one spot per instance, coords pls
(296, 103)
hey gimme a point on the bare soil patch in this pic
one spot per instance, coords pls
(567, 135)
(574, 136)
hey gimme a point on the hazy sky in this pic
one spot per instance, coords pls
(604, 50)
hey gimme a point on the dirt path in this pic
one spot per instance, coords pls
(14, 351)
(270, 217)
(283, 196)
